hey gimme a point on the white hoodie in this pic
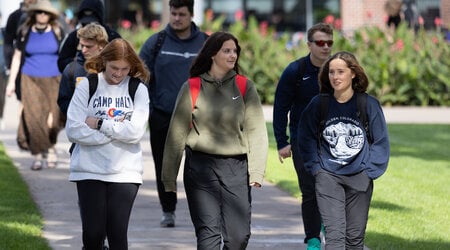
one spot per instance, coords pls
(113, 153)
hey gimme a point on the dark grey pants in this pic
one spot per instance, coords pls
(310, 210)
(219, 199)
(159, 125)
(344, 206)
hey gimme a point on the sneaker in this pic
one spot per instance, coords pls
(322, 229)
(313, 244)
(168, 219)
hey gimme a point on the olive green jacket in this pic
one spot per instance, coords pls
(222, 123)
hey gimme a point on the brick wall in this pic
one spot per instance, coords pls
(358, 13)
(445, 13)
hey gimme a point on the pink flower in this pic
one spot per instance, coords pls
(421, 21)
(437, 21)
(209, 15)
(434, 40)
(399, 44)
(369, 14)
(155, 25)
(263, 28)
(338, 24)
(329, 19)
(238, 15)
(126, 24)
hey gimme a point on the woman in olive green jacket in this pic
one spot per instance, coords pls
(224, 136)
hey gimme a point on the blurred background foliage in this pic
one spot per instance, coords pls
(404, 66)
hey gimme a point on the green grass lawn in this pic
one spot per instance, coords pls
(20, 220)
(410, 206)
(411, 202)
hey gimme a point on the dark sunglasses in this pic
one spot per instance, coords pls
(41, 12)
(322, 43)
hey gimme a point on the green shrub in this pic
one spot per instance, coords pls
(404, 67)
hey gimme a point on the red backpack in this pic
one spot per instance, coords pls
(195, 82)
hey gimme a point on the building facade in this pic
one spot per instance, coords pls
(299, 15)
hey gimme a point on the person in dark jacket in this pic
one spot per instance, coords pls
(293, 93)
(93, 38)
(169, 68)
(343, 158)
(89, 11)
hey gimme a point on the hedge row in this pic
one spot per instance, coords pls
(404, 67)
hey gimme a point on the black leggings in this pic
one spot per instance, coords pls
(105, 209)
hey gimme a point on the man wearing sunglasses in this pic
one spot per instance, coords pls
(298, 84)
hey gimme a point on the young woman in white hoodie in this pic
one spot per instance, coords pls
(107, 127)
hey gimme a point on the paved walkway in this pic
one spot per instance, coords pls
(276, 221)
(276, 217)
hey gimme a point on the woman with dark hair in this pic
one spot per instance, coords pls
(346, 156)
(107, 127)
(35, 62)
(224, 136)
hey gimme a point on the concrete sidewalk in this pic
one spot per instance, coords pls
(276, 216)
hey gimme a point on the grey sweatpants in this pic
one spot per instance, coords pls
(344, 203)
(219, 199)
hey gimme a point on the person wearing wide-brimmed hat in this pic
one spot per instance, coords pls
(35, 60)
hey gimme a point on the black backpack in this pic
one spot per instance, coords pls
(361, 102)
(133, 85)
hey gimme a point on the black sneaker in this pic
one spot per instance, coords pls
(168, 219)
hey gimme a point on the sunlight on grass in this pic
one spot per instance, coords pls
(410, 206)
(20, 220)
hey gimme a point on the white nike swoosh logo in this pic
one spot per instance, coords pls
(306, 77)
(235, 97)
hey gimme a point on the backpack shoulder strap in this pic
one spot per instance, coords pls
(194, 87)
(195, 82)
(301, 69)
(156, 49)
(71, 72)
(361, 102)
(159, 43)
(241, 82)
(93, 83)
(324, 102)
(133, 85)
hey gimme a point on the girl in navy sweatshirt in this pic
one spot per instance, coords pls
(341, 157)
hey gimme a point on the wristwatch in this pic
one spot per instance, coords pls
(99, 124)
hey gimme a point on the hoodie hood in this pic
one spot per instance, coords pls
(97, 8)
(208, 78)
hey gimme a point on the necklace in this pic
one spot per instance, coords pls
(41, 30)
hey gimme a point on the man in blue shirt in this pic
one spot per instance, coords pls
(168, 56)
(298, 84)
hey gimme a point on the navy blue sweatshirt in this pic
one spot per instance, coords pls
(171, 66)
(292, 96)
(344, 148)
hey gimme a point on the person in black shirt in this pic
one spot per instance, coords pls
(89, 11)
